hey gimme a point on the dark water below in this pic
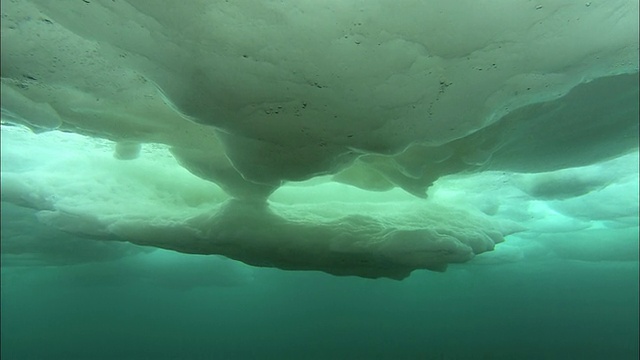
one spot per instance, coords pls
(547, 309)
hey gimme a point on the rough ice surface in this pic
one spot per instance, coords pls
(353, 137)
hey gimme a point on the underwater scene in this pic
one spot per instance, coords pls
(319, 179)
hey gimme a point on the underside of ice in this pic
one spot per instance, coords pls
(200, 119)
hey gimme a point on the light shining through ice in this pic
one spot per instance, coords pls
(319, 179)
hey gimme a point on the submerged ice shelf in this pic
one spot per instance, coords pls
(152, 201)
(356, 138)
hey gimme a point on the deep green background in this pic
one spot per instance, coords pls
(543, 309)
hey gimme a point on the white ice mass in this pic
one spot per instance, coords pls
(367, 138)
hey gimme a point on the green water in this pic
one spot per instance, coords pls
(543, 309)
